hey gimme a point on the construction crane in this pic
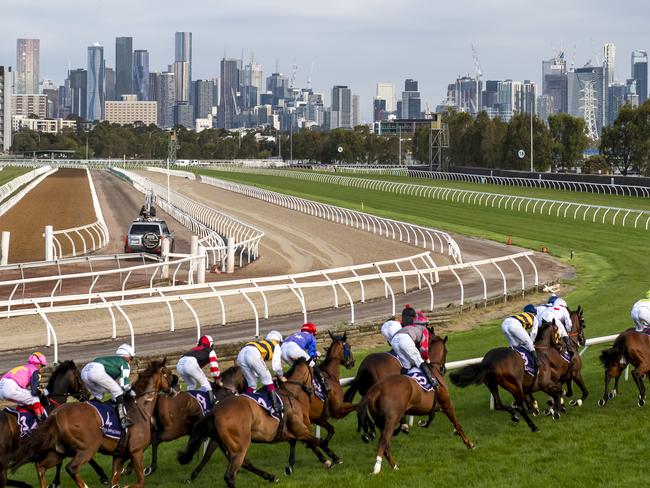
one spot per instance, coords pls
(477, 68)
(294, 71)
(311, 71)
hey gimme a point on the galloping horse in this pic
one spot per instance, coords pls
(237, 421)
(63, 382)
(630, 347)
(504, 367)
(338, 353)
(177, 415)
(387, 401)
(75, 429)
(577, 337)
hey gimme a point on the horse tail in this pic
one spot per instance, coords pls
(204, 428)
(364, 420)
(474, 374)
(348, 396)
(614, 353)
(36, 447)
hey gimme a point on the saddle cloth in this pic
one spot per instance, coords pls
(262, 398)
(318, 390)
(527, 357)
(203, 398)
(110, 426)
(646, 331)
(417, 375)
(25, 418)
(565, 355)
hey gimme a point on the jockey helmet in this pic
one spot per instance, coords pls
(274, 335)
(206, 341)
(560, 303)
(408, 311)
(125, 350)
(530, 308)
(552, 298)
(420, 318)
(37, 358)
(308, 327)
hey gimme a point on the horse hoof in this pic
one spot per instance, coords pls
(471, 446)
(405, 428)
(376, 469)
(549, 412)
(641, 402)
(601, 402)
(422, 423)
(187, 482)
(288, 470)
(612, 394)
(148, 471)
(534, 428)
(535, 412)
(576, 403)
(556, 416)
(365, 438)
(515, 419)
(275, 479)
(396, 468)
(327, 464)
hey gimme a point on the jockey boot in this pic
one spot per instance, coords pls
(275, 399)
(213, 399)
(533, 353)
(321, 380)
(568, 346)
(121, 412)
(39, 411)
(426, 369)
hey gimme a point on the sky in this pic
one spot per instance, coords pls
(350, 42)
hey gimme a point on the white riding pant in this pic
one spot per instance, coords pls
(406, 350)
(12, 392)
(99, 382)
(192, 374)
(252, 366)
(516, 335)
(291, 352)
(550, 316)
(389, 329)
(641, 316)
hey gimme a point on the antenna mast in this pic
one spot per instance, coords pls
(477, 68)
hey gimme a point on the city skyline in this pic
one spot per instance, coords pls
(367, 53)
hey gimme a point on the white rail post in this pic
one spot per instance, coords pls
(194, 251)
(230, 259)
(201, 264)
(165, 256)
(4, 247)
(49, 243)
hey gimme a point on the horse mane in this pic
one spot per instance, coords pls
(231, 371)
(143, 378)
(542, 330)
(296, 363)
(60, 370)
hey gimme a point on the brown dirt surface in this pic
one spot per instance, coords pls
(62, 200)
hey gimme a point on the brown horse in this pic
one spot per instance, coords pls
(395, 396)
(64, 381)
(577, 337)
(176, 415)
(237, 421)
(504, 367)
(630, 347)
(337, 354)
(75, 430)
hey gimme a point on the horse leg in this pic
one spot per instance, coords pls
(103, 479)
(607, 395)
(388, 427)
(638, 378)
(149, 470)
(292, 457)
(137, 461)
(80, 458)
(577, 377)
(302, 433)
(518, 394)
(236, 461)
(248, 466)
(447, 407)
(4, 481)
(324, 423)
(117, 470)
(212, 446)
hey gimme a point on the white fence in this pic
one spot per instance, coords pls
(85, 238)
(172, 172)
(393, 229)
(419, 271)
(30, 180)
(589, 213)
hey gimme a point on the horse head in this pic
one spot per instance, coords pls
(548, 335)
(155, 378)
(301, 374)
(65, 381)
(340, 350)
(438, 351)
(578, 321)
(233, 379)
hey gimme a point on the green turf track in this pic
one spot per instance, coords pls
(588, 446)
(11, 172)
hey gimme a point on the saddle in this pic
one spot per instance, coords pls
(263, 399)
(319, 390)
(527, 358)
(26, 419)
(418, 376)
(203, 399)
(110, 421)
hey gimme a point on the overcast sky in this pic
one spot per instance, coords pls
(352, 42)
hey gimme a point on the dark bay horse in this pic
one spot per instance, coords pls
(337, 354)
(577, 336)
(176, 415)
(74, 430)
(630, 347)
(237, 421)
(395, 396)
(64, 381)
(504, 367)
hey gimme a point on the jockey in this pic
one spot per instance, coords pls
(20, 385)
(641, 313)
(560, 313)
(408, 315)
(251, 361)
(390, 328)
(110, 374)
(411, 344)
(303, 345)
(191, 365)
(521, 330)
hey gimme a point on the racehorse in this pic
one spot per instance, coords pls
(337, 354)
(63, 382)
(630, 347)
(395, 396)
(75, 429)
(504, 367)
(373, 368)
(577, 337)
(176, 415)
(237, 421)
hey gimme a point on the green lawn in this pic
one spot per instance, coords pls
(589, 446)
(11, 172)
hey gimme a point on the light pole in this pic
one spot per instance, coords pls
(532, 167)
(291, 139)
(400, 144)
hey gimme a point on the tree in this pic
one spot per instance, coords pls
(458, 124)
(617, 141)
(569, 139)
(517, 137)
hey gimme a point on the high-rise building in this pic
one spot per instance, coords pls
(617, 95)
(78, 92)
(341, 112)
(609, 63)
(579, 81)
(386, 91)
(129, 110)
(182, 76)
(356, 107)
(631, 96)
(639, 72)
(141, 74)
(95, 84)
(153, 86)
(183, 53)
(278, 85)
(123, 66)
(378, 109)
(166, 99)
(526, 99)
(5, 108)
(203, 98)
(555, 84)
(184, 114)
(465, 94)
(253, 76)
(29, 106)
(27, 65)
(226, 115)
(109, 84)
(411, 102)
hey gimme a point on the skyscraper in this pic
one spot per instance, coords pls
(386, 91)
(95, 83)
(609, 64)
(411, 102)
(639, 73)
(141, 74)
(228, 100)
(253, 76)
(153, 86)
(183, 53)
(356, 107)
(123, 66)
(341, 113)
(78, 92)
(109, 84)
(166, 98)
(5, 108)
(27, 65)
(555, 83)
(203, 100)
(182, 75)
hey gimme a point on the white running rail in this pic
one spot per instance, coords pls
(31, 179)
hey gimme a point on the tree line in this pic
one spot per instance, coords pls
(479, 142)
